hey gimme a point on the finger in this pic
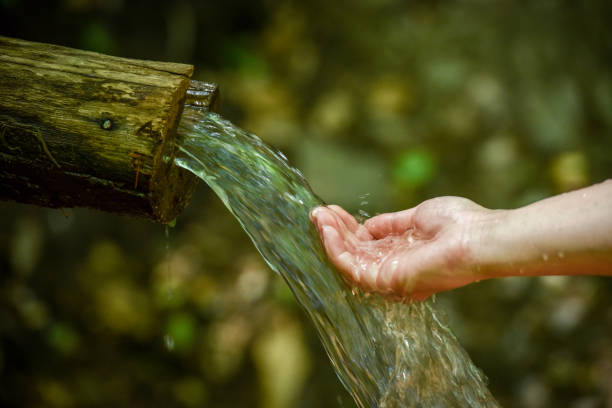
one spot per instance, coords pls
(314, 217)
(333, 241)
(388, 271)
(313, 213)
(351, 223)
(410, 274)
(325, 217)
(337, 252)
(347, 218)
(390, 223)
(347, 265)
(322, 216)
(340, 244)
(368, 276)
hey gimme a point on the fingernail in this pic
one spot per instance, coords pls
(314, 212)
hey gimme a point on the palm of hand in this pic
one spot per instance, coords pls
(408, 254)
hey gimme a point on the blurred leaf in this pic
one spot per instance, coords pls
(124, 308)
(105, 258)
(243, 58)
(33, 311)
(63, 338)
(414, 168)
(182, 328)
(55, 394)
(191, 391)
(570, 171)
(283, 362)
(28, 239)
(446, 73)
(96, 37)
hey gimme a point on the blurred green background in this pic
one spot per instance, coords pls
(382, 104)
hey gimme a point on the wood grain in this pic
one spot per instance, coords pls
(78, 128)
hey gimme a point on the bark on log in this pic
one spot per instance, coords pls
(82, 129)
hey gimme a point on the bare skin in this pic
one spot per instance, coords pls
(448, 242)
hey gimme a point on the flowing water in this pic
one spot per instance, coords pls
(386, 354)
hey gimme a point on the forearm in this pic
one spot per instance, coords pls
(569, 234)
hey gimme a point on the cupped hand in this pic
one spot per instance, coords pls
(409, 254)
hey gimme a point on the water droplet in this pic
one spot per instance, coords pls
(561, 254)
(545, 257)
(169, 342)
(364, 214)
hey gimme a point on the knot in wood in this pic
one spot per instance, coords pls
(106, 124)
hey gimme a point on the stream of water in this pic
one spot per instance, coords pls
(386, 354)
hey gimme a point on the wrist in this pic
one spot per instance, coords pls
(497, 248)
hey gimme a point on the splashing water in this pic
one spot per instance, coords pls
(386, 354)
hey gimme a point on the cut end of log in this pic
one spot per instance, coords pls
(171, 186)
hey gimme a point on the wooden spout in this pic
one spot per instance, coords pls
(82, 129)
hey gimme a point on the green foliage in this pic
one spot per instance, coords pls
(181, 328)
(96, 37)
(414, 168)
(63, 338)
(240, 56)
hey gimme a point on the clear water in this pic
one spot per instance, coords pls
(386, 354)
